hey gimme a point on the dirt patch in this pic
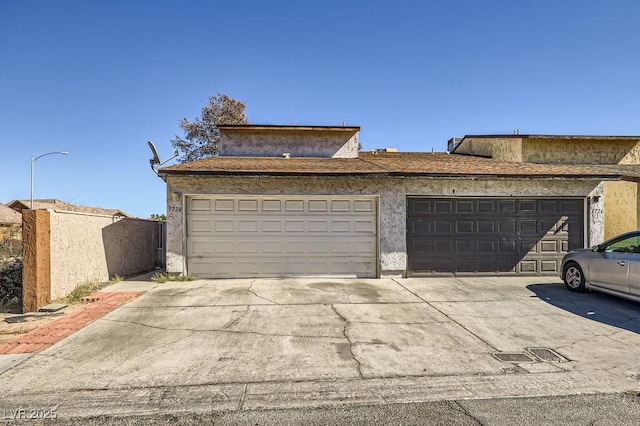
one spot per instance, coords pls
(18, 324)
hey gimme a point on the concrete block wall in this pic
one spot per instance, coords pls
(65, 249)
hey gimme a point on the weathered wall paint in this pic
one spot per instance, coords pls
(507, 149)
(579, 151)
(298, 143)
(88, 247)
(620, 208)
(633, 156)
(554, 151)
(36, 260)
(393, 194)
(595, 215)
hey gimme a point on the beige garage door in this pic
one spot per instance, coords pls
(273, 236)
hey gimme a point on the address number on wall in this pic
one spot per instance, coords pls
(175, 209)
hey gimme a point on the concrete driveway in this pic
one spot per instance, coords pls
(265, 343)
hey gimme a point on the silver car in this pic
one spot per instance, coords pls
(611, 267)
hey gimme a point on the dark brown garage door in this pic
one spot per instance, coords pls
(491, 235)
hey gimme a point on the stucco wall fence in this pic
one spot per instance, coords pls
(82, 247)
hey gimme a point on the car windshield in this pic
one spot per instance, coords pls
(626, 245)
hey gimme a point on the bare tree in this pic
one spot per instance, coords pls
(201, 136)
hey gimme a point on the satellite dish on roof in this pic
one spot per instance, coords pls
(155, 161)
(156, 158)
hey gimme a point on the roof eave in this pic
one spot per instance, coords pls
(287, 127)
(224, 173)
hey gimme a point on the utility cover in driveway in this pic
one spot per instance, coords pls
(492, 235)
(233, 236)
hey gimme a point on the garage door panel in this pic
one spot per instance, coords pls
(507, 206)
(220, 205)
(247, 236)
(419, 226)
(465, 226)
(487, 246)
(444, 246)
(463, 206)
(527, 226)
(492, 235)
(341, 206)
(486, 226)
(485, 206)
(221, 226)
(294, 226)
(507, 226)
(443, 227)
(364, 226)
(465, 246)
(527, 206)
(201, 205)
(247, 226)
(202, 225)
(367, 206)
(294, 206)
(550, 206)
(248, 205)
(271, 205)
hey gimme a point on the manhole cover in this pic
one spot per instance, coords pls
(513, 357)
(546, 354)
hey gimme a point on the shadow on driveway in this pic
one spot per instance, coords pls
(595, 306)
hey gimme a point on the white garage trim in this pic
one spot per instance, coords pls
(233, 236)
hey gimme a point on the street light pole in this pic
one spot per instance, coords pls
(33, 161)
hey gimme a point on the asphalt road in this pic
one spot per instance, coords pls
(608, 409)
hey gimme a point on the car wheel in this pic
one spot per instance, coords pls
(573, 277)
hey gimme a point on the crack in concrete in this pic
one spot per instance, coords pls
(536, 315)
(466, 412)
(371, 379)
(401, 322)
(449, 317)
(155, 306)
(237, 320)
(242, 398)
(346, 336)
(589, 338)
(218, 330)
(250, 290)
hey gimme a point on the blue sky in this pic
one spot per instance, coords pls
(100, 78)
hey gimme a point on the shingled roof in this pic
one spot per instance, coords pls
(9, 216)
(397, 164)
(55, 204)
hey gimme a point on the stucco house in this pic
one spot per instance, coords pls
(621, 206)
(302, 201)
(10, 221)
(55, 204)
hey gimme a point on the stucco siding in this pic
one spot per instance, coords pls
(620, 208)
(507, 149)
(77, 253)
(579, 151)
(87, 247)
(595, 215)
(633, 156)
(392, 192)
(300, 143)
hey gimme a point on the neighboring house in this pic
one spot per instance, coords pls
(302, 201)
(621, 198)
(10, 222)
(53, 204)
